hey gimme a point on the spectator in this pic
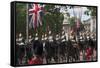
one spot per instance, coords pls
(38, 52)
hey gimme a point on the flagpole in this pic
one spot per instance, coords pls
(27, 23)
(26, 43)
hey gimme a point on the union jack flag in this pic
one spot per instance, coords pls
(36, 12)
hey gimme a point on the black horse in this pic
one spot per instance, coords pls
(72, 52)
(62, 50)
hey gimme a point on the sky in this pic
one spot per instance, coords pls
(77, 11)
(81, 11)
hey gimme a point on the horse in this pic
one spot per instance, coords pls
(72, 51)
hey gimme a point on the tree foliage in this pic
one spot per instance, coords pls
(52, 18)
(91, 11)
(20, 18)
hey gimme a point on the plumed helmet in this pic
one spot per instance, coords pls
(36, 34)
(20, 34)
(45, 35)
(42, 36)
(49, 32)
(30, 36)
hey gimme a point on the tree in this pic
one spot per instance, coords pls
(21, 18)
(72, 21)
(52, 18)
(92, 11)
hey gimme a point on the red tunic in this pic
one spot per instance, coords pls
(89, 53)
(36, 60)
